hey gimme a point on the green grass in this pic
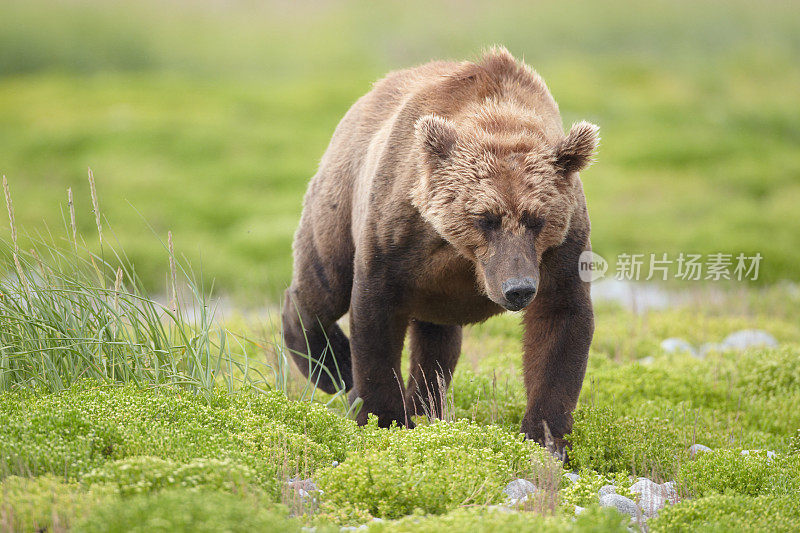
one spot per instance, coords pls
(92, 448)
(196, 444)
(119, 413)
(67, 314)
(210, 121)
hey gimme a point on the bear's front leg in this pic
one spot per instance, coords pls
(559, 325)
(377, 332)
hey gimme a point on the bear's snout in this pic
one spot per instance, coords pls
(518, 292)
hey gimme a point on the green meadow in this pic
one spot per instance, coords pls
(125, 409)
(209, 121)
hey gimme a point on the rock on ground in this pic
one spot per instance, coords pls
(676, 345)
(305, 488)
(652, 496)
(620, 503)
(302, 484)
(606, 489)
(748, 338)
(572, 476)
(643, 484)
(671, 491)
(519, 490)
(694, 449)
(770, 453)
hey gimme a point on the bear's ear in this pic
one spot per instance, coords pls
(437, 136)
(575, 152)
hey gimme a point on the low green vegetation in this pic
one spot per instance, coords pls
(583, 491)
(74, 432)
(754, 473)
(433, 469)
(187, 512)
(119, 413)
(732, 512)
(72, 457)
(492, 521)
(100, 456)
(126, 405)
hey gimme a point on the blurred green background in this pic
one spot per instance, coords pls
(207, 118)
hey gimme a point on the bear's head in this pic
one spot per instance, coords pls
(501, 198)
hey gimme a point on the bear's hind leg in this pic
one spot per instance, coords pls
(313, 303)
(318, 346)
(434, 353)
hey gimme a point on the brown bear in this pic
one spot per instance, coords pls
(449, 193)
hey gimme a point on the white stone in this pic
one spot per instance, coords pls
(694, 449)
(643, 484)
(671, 491)
(620, 503)
(748, 338)
(579, 509)
(306, 489)
(515, 503)
(606, 489)
(302, 484)
(677, 345)
(572, 476)
(652, 496)
(770, 453)
(519, 489)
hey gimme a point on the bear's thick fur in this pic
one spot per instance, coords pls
(449, 193)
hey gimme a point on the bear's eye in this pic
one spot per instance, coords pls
(488, 221)
(533, 223)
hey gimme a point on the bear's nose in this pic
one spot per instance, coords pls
(519, 292)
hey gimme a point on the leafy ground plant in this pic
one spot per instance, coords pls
(434, 469)
(96, 445)
(112, 400)
(188, 512)
(498, 521)
(731, 512)
(85, 430)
